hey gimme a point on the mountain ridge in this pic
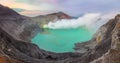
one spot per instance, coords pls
(45, 19)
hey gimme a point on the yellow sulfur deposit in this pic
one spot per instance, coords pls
(45, 26)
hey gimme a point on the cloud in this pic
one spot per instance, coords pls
(83, 6)
(37, 2)
(40, 4)
(13, 4)
(71, 7)
(27, 4)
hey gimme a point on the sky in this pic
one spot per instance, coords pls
(71, 7)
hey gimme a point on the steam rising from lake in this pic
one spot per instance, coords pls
(89, 20)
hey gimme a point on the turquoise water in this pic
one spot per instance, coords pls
(61, 40)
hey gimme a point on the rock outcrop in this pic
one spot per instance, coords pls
(18, 26)
(113, 54)
(14, 48)
(45, 19)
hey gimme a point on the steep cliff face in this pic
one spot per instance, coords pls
(18, 26)
(45, 19)
(113, 54)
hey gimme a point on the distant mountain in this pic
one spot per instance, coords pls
(18, 9)
(45, 19)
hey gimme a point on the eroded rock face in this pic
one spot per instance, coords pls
(18, 26)
(113, 55)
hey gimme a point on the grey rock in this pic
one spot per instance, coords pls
(18, 26)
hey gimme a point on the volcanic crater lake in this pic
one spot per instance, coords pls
(61, 40)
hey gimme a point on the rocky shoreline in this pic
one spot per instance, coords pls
(15, 46)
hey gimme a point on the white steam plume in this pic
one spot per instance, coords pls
(86, 20)
(90, 20)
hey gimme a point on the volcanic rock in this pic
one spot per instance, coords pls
(18, 26)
